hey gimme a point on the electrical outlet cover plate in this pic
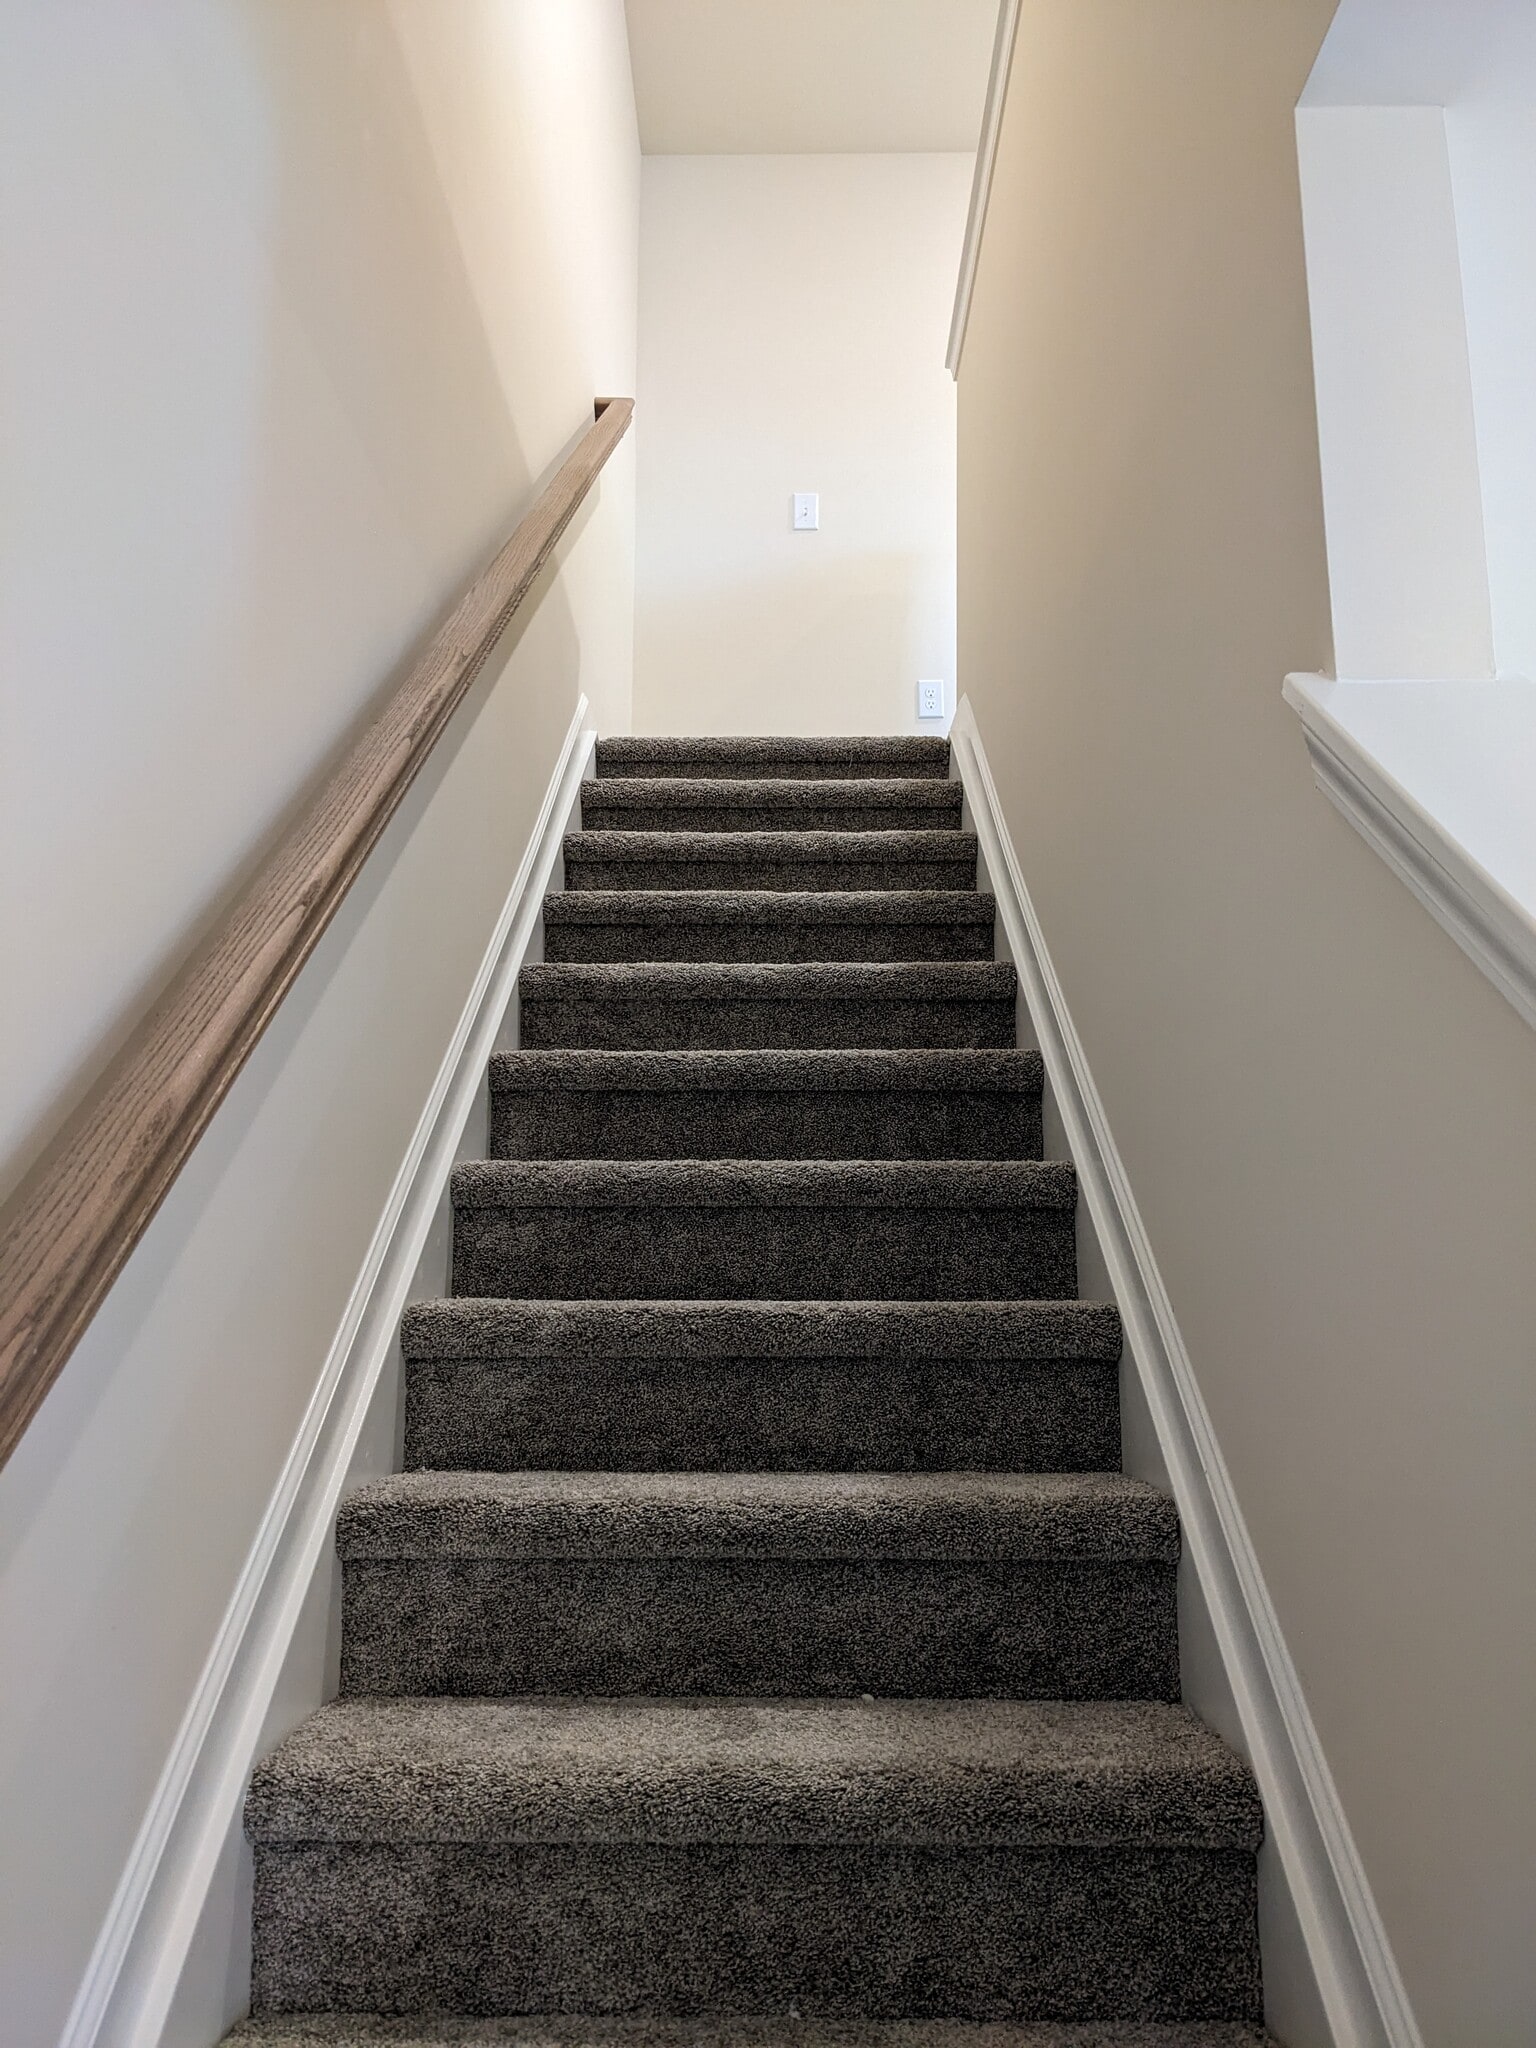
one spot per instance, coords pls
(930, 700)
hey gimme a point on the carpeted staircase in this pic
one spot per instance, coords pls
(761, 1647)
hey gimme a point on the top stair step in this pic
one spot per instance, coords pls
(835, 759)
(717, 804)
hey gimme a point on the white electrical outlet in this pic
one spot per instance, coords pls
(806, 516)
(930, 699)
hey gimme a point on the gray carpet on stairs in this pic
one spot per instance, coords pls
(784, 1005)
(613, 925)
(444, 2030)
(753, 1386)
(808, 1583)
(767, 760)
(761, 1647)
(806, 860)
(714, 805)
(765, 1105)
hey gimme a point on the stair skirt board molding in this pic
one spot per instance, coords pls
(171, 1963)
(1361, 1995)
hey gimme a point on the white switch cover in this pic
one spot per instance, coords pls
(930, 699)
(807, 515)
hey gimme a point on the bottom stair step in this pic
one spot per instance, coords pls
(826, 1859)
(380, 2030)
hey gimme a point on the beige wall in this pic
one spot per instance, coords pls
(1327, 1114)
(302, 303)
(793, 315)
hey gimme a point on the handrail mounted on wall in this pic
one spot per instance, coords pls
(69, 1227)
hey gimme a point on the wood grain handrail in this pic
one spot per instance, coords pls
(70, 1225)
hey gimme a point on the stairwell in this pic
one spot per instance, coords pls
(761, 1645)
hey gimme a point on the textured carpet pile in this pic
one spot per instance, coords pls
(762, 1647)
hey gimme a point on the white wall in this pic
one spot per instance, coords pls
(793, 317)
(1475, 59)
(1326, 1114)
(301, 306)
(1402, 494)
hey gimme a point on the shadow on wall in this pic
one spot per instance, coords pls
(839, 651)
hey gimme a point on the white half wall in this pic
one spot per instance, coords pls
(1387, 67)
(1402, 495)
(302, 306)
(793, 316)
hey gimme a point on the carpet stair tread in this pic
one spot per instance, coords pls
(915, 1773)
(1004, 1517)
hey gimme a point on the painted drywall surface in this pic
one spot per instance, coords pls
(1493, 173)
(1402, 493)
(303, 304)
(1476, 59)
(799, 76)
(793, 315)
(1327, 1114)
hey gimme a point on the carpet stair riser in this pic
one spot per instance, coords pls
(774, 806)
(761, 1627)
(755, 760)
(656, 1024)
(741, 1123)
(603, 925)
(969, 1932)
(845, 1252)
(789, 1008)
(770, 860)
(879, 1414)
(597, 944)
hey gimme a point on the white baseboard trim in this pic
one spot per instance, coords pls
(127, 1993)
(1356, 1975)
(1497, 933)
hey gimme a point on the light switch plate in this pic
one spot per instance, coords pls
(930, 699)
(807, 511)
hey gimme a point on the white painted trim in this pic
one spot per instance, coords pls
(981, 179)
(131, 1980)
(1357, 1978)
(1490, 926)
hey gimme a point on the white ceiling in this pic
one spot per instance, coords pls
(762, 76)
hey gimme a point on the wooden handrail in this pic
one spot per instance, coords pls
(70, 1225)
